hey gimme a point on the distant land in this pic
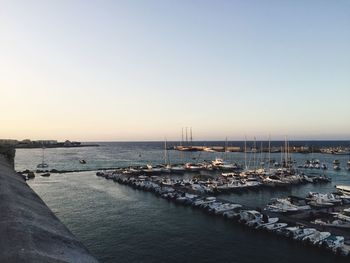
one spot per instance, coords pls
(44, 143)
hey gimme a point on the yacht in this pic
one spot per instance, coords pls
(220, 164)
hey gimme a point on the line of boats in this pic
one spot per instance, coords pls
(313, 200)
(220, 181)
(315, 164)
(236, 212)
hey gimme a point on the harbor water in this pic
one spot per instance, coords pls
(120, 224)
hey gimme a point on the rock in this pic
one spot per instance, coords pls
(31, 175)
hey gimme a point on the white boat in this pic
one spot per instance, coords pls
(316, 237)
(193, 167)
(220, 209)
(342, 217)
(275, 226)
(344, 189)
(288, 231)
(152, 170)
(336, 162)
(270, 221)
(333, 242)
(178, 169)
(323, 200)
(220, 164)
(284, 205)
(249, 216)
(302, 233)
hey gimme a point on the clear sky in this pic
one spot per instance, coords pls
(141, 70)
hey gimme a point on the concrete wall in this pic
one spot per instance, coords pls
(29, 231)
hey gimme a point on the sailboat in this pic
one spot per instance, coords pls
(43, 164)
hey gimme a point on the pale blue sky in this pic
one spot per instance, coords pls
(141, 70)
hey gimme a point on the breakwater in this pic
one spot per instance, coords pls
(29, 230)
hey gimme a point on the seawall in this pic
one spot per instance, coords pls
(29, 230)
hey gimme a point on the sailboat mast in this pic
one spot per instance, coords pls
(269, 150)
(245, 152)
(166, 158)
(182, 136)
(191, 136)
(43, 155)
(261, 153)
(285, 152)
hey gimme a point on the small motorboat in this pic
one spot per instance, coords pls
(45, 174)
(42, 165)
(82, 161)
(336, 162)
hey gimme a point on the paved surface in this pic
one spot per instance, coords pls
(29, 231)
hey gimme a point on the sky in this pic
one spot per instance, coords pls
(142, 70)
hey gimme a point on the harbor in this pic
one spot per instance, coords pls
(217, 184)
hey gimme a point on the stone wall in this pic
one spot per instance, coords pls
(9, 153)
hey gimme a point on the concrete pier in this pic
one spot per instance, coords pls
(29, 230)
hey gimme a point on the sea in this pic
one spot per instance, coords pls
(120, 224)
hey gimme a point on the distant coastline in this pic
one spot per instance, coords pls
(55, 146)
(28, 144)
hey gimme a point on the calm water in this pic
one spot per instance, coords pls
(120, 224)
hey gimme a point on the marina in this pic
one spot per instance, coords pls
(218, 185)
(329, 237)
